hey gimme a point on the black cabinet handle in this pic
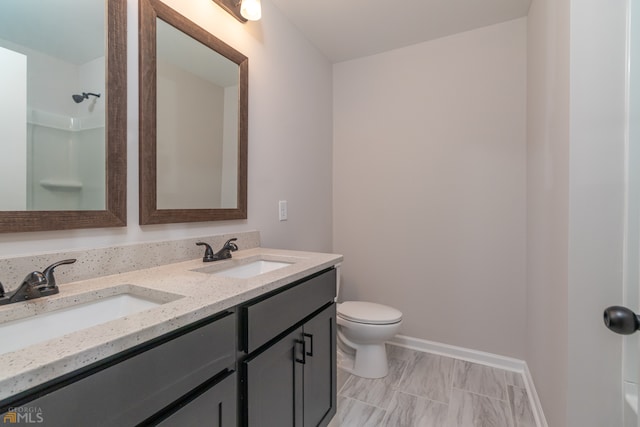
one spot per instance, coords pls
(310, 336)
(621, 320)
(304, 352)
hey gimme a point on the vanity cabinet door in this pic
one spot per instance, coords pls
(274, 384)
(320, 368)
(216, 407)
(293, 382)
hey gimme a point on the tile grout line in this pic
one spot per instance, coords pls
(422, 397)
(482, 395)
(510, 402)
(344, 383)
(386, 412)
(395, 390)
(450, 404)
(364, 403)
(512, 407)
(504, 381)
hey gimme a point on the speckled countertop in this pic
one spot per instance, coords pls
(186, 295)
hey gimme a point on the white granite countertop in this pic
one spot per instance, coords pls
(186, 295)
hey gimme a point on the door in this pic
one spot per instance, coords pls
(320, 368)
(623, 320)
(274, 384)
(631, 344)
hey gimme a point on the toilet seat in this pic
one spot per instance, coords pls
(368, 313)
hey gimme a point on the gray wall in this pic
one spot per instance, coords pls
(289, 141)
(548, 203)
(429, 185)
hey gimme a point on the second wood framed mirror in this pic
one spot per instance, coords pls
(193, 121)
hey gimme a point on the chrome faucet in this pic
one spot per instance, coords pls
(224, 253)
(35, 285)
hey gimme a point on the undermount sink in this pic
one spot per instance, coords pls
(21, 333)
(245, 271)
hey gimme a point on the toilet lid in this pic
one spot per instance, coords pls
(368, 312)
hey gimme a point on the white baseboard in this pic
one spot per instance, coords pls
(489, 359)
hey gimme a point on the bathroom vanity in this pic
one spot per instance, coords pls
(221, 349)
(148, 382)
(290, 374)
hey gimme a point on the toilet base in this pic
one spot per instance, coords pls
(369, 361)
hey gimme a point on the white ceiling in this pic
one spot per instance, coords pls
(348, 29)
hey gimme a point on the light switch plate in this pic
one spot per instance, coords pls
(282, 210)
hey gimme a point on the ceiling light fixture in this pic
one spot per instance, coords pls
(242, 10)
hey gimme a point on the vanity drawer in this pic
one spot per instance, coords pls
(264, 319)
(215, 407)
(132, 388)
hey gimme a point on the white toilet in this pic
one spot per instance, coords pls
(363, 328)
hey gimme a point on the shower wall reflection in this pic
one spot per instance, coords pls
(52, 147)
(65, 163)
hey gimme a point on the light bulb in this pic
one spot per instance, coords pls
(251, 9)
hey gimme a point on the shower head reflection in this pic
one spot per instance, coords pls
(85, 95)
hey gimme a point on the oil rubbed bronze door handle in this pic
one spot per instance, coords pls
(310, 336)
(304, 351)
(621, 320)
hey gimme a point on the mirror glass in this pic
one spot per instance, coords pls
(191, 74)
(56, 133)
(193, 130)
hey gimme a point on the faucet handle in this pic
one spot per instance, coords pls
(208, 252)
(48, 272)
(30, 288)
(230, 245)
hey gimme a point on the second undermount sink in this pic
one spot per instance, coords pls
(245, 271)
(21, 333)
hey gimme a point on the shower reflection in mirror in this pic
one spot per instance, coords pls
(52, 114)
(85, 95)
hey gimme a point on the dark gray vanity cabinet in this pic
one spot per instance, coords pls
(268, 362)
(290, 380)
(171, 380)
(216, 406)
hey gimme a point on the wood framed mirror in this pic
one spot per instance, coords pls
(193, 121)
(64, 154)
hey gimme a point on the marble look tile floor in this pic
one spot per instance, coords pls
(428, 390)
